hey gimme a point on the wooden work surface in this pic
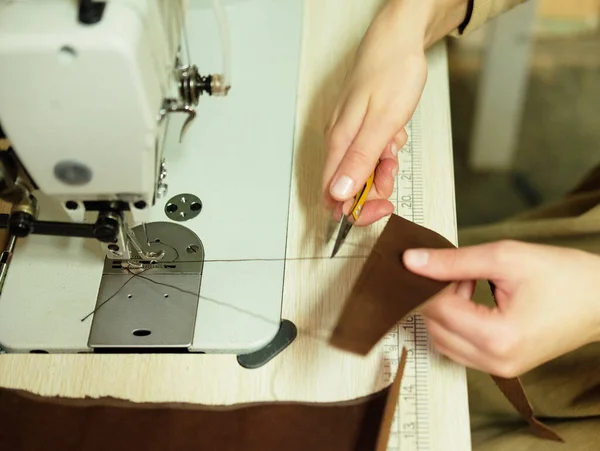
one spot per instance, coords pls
(310, 370)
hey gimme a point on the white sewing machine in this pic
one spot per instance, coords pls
(94, 99)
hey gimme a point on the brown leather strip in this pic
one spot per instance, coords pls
(513, 389)
(386, 292)
(392, 402)
(515, 393)
(32, 423)
(591, 182)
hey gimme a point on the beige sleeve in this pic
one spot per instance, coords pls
(481, 11)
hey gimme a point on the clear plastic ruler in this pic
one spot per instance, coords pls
(410, 429)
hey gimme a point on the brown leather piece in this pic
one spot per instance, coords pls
(392, 402)
(386, 292)
(590, 183)
(513, 389)
(514, 392)
(33, 423)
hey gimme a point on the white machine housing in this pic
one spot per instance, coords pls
(89, 95)
(92, 95)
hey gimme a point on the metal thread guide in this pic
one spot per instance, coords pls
(411, 426)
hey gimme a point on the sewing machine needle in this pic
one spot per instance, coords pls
(5, 259)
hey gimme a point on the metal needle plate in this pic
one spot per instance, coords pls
(142, 313)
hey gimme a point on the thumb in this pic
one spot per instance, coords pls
(382, 124)
(485, 261)
(362, 156)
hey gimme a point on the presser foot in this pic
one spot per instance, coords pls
(150, 304)
(285, 336)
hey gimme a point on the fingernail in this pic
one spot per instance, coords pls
(342, 186)
(416, 257)
(394, 149)
(395, 171)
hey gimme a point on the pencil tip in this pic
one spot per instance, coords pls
(336, 248)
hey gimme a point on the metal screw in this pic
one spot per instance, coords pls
(192, 249)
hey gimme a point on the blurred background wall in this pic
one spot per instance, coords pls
(525, 93)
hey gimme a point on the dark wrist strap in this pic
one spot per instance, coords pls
(463, 25)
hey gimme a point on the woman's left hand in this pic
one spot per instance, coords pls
(548, 303)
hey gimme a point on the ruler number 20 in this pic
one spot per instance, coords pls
(406, 201)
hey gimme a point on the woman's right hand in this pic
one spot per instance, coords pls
(379, 97)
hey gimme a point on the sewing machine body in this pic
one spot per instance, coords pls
(221, 194)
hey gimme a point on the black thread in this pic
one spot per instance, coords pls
(110, 298)
(215, 301)
(169, 246)
(283, 259)
(158, 241)
(204, 298)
